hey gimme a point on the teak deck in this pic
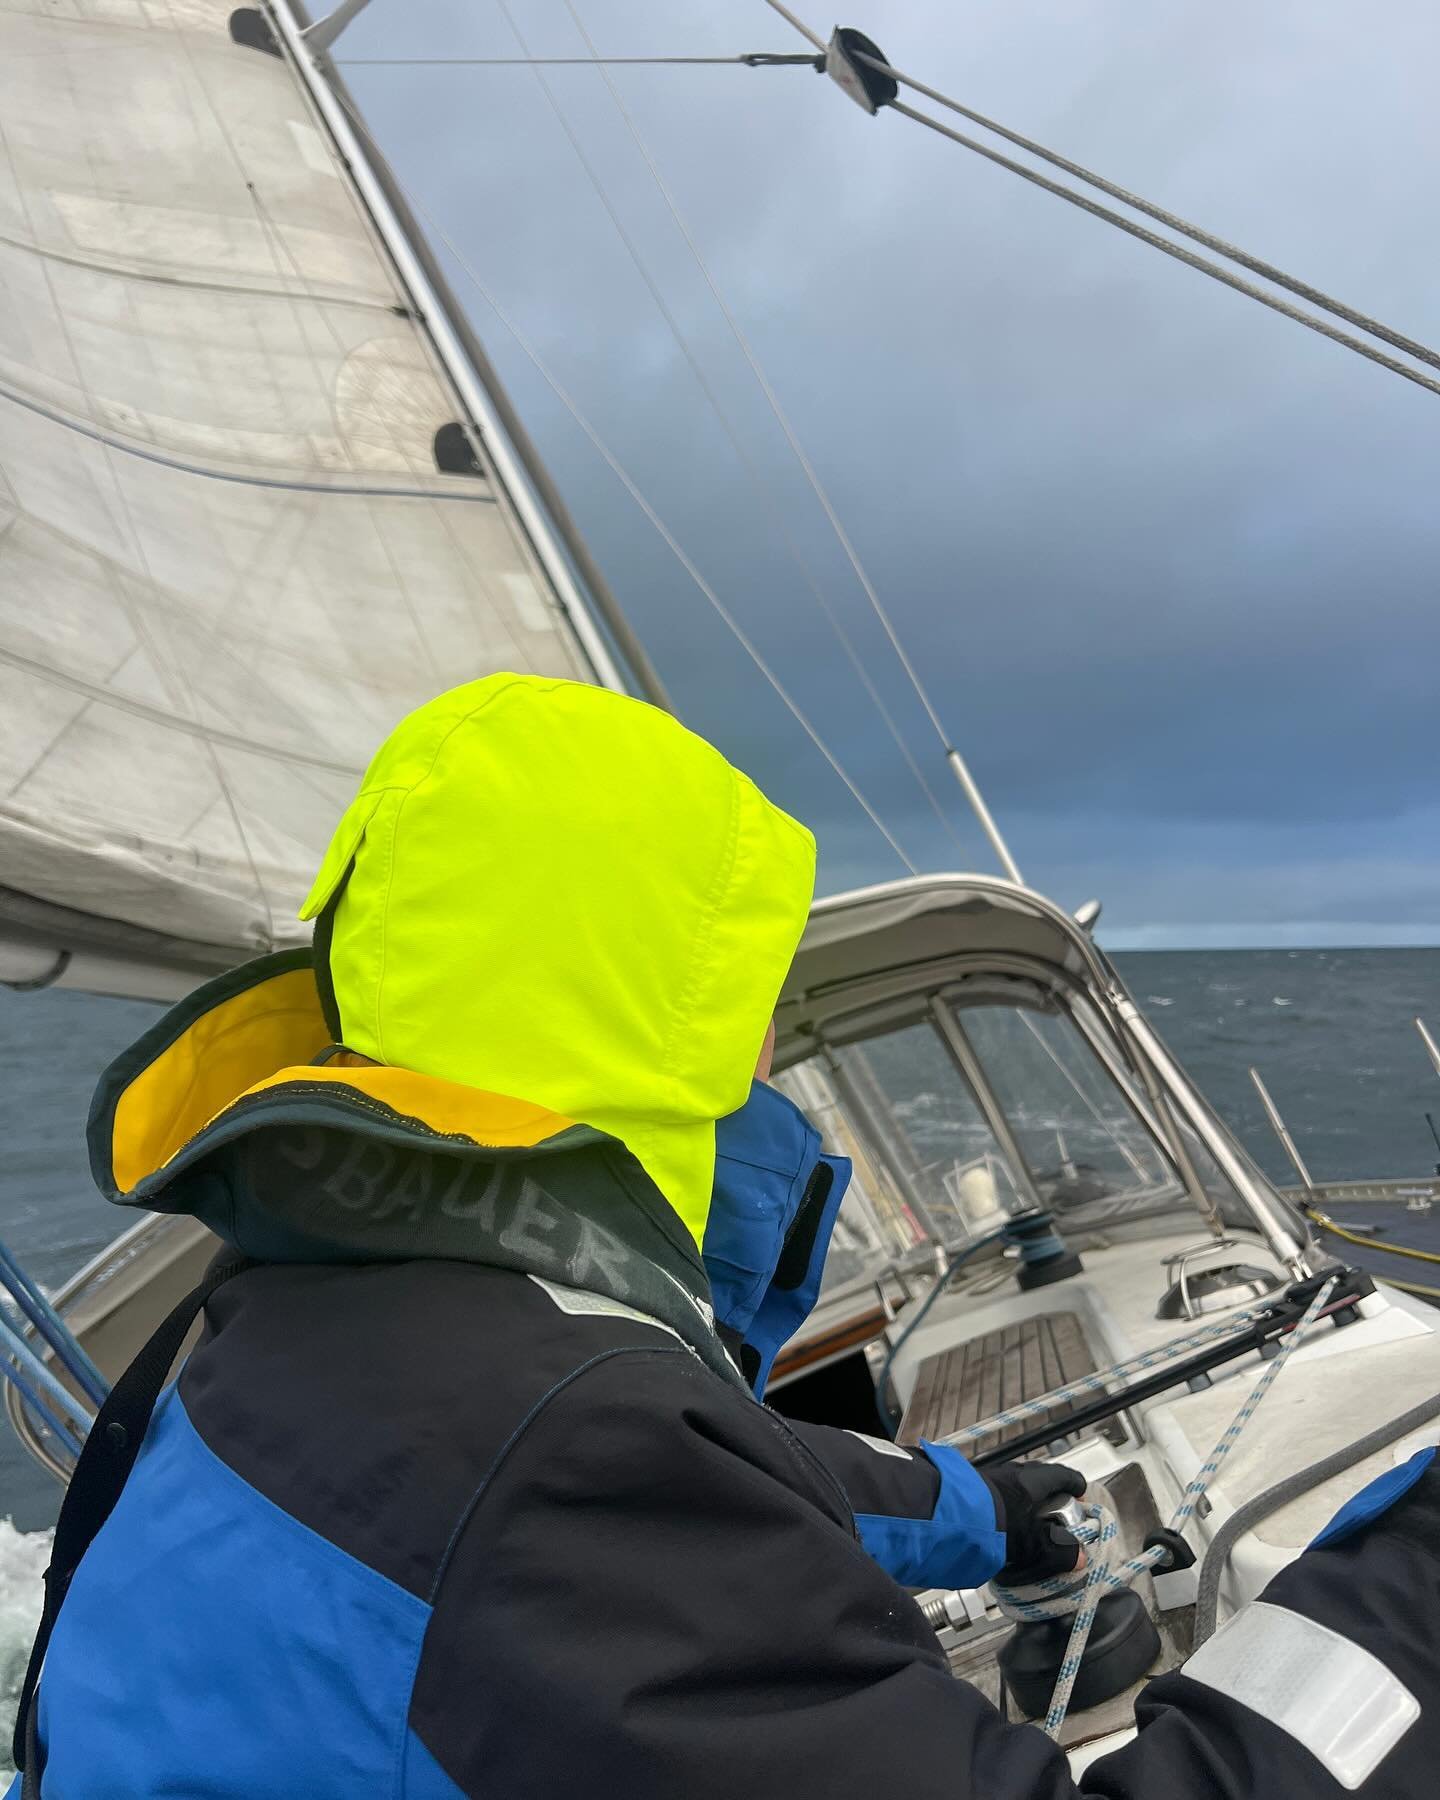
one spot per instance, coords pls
(985, 1375)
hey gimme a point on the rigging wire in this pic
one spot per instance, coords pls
(1166, 246)
(1197, 234)
(804, 30)
(754, 59)
(1202, 264)
(782, 419)
(1177, 251)
(817, 487)
(1232, 252)
(623, 476)
(747, 461)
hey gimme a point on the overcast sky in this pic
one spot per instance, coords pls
(1167, 561)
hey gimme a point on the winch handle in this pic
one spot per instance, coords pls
(1064, 1510)
(1063, 1513)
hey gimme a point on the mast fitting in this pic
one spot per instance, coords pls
(849, 61)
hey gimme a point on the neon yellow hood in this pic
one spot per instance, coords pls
(552, 892)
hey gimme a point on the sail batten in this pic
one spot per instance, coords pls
(237, 541)
(246, 478)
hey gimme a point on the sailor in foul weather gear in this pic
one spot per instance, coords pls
(927, 1517)
(466, 1489)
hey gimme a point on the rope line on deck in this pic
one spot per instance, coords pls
(1326, 1223)
(1058, 1597)
(1412, 1287)
(1099, 1382)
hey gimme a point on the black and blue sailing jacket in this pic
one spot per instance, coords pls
(444, 1337)
(465, 1490)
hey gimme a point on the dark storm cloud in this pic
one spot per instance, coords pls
(1167, 561)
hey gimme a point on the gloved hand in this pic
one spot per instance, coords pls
(1034, 1547)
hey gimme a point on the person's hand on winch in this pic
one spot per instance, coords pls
(1035, 1508)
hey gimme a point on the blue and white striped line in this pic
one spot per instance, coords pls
(1059, 1597)
(1100, 1382)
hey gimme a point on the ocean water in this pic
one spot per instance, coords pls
(1331, 1031)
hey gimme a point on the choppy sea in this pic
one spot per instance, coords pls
(1331, 1031)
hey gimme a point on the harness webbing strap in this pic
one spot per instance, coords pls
(100, 1475)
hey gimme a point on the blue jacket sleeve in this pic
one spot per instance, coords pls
(926, 1516)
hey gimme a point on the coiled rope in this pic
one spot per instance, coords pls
(1058, 1597)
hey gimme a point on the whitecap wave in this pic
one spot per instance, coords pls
(23, 1556)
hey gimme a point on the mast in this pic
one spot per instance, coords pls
(547, 520)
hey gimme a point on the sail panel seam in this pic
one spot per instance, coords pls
(288, 484)
(175, 721)
(197, 283)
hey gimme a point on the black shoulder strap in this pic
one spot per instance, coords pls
(103, 1468)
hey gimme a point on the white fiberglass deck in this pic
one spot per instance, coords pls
(1337, 1387)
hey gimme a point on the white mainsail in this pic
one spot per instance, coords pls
(228, 558)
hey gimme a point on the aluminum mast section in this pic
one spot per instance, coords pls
(546, 519)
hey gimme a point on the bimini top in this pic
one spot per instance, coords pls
(877, 943)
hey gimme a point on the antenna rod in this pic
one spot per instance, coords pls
(1431, 1046)
(1282, 1131)
(982, 813)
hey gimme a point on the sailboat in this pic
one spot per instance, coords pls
(260, 493)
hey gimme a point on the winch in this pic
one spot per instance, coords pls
(1123, 1642)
